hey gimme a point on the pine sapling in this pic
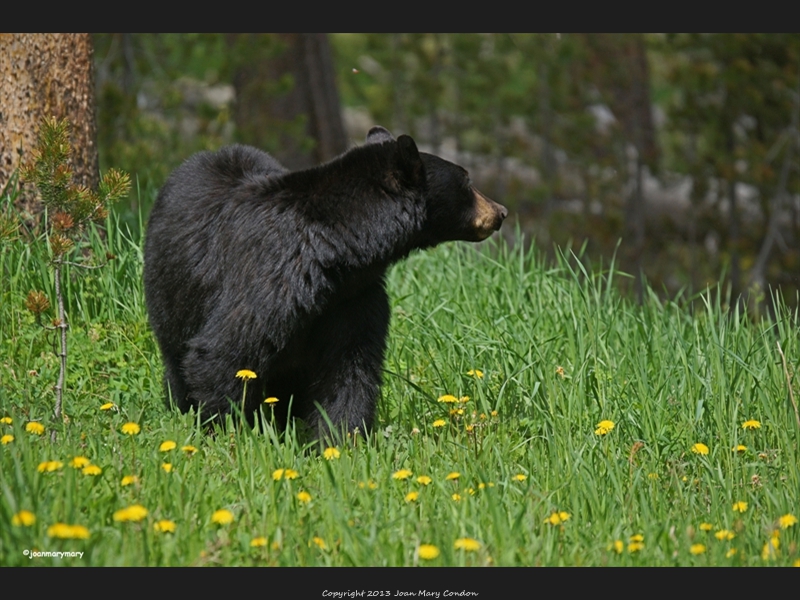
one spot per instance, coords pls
(70, 210)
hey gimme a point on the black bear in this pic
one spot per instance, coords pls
(250, 266)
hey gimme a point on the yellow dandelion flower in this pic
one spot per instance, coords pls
(603, 427)
(636, 538)
(304, 497)
(131, 428)
(258, 542)
(92, 470)
(796, 563)
(469, 428)
(331, 453)
(245, 374)
(128, 480)
(412, 496)
(6, 420)
(740, 506)
(164, 526)
(79, 462)
(557, 517)
(424, 480)
(439, 423)
(494, 413)
(6, 439)
(457, 411)
(107, 406)
(222, 517)
(59, 530)
(24, 518)
(700, 448)
(724, 535)
(697, 549)
(133, 513)
(167, 467)
(452, 476)
(279, 474)
(730, 553)
(68, 532)
(456, 497)
(464, 399)
(634, 547)
(402, 474)
(320, 543)
(520, 477)
(467, 544)
(270, 400)
(787, 521)
(448, 399)
(34, 427)
(740, 448)
(706, 527)
(476, 373)
(367, 484)
(427, 551)
(167, 446)
(188, 449)
(617, 546)
(49, 466)
(771, 549)
(652, 476)
(751, 424)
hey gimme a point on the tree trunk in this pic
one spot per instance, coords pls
(620, 70)
(282, 121)
(46, 74)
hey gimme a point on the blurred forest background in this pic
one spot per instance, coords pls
(675, 153)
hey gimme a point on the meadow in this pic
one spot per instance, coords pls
(530, 415)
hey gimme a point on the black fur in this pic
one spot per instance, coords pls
(249, 266)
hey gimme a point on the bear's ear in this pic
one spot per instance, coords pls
(410, 160)
(379, 135)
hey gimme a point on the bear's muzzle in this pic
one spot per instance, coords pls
(489, 215)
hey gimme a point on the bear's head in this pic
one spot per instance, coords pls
(455, 209)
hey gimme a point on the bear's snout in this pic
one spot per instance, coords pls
(489, 215)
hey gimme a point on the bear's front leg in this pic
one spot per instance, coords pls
(347, 346)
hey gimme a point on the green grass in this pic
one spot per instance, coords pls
(560, 350)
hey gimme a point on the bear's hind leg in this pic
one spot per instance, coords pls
(345, 374)
(174, 383)
(210, 372)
